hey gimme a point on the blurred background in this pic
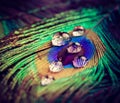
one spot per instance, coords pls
(15, 14)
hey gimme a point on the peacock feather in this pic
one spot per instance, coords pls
(25, 56)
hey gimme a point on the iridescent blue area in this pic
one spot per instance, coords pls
(87, 45)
